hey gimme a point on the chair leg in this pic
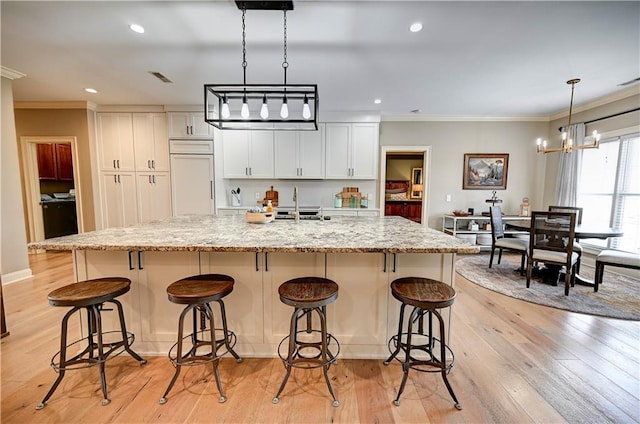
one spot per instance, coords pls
(443, 360)
(407, 360)
(225, 330)
(529, 270)
(598, 277)
(325, 349)
(214, 348)
(522, 264)
(499, 255)
(125, 338)
(399, 339)
(293, 331)
(491, 257)
(178, 363)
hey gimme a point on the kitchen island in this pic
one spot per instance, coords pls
(362, 254)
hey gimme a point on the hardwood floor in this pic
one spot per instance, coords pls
(515, 362)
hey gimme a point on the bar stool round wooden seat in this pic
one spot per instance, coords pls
(422, 350)
(94, 349)
(309, 347)
(197, 292)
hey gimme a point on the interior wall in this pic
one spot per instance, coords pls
(449, 142)
(63, 122)
(14, 261)
(400, 168)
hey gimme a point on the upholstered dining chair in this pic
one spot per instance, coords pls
(577, 247)
(551, 242)
(500, 242)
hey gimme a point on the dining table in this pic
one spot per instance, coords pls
(582, 231)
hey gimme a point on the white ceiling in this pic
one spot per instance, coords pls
(472, 59)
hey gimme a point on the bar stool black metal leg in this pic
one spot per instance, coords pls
(325, 349)
(178, 361)
(63, 358)
(407, 363)
(223, 315)
(293, 331)
(125, 338)
(214, 354)
(95, 310)
(443, 360)
(399, 337)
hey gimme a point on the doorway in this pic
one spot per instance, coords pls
(64, 192)
(408, 178)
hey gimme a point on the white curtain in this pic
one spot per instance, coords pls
(569, 169)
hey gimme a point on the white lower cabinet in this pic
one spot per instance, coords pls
(244, 306)
(359, 317)
(278, 268)
(119, 199)
(154, 194)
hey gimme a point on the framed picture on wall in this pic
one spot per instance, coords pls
(485, 171)
(416, 184)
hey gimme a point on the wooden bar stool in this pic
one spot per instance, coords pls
(197, 293)
(305, 348)
(90, 295)
(426, 296)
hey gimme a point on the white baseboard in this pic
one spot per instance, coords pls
(16, 276)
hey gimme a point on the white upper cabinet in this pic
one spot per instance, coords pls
(299, 154)
(188, 125)
(115, 141)
(248, 154)
(352, 151)
(151, 143)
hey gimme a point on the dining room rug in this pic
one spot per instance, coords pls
(617, 297)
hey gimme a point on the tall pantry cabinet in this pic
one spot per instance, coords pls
(134, 168)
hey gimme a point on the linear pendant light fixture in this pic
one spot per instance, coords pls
(568, 144)
(262, 106)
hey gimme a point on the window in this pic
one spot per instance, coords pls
(609, 190)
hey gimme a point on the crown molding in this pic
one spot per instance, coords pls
(78, 104)
(432, 118)
(610, 98)
(10, 73)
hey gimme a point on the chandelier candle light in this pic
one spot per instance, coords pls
(567, 143)
(247, 106)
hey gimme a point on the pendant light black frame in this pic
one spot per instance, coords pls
(295, 96)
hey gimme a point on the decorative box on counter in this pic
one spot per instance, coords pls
(351, 197)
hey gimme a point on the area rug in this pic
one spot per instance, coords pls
(618, 296)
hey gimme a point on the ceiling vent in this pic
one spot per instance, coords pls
(160, 77)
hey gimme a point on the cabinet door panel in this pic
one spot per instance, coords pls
(286, 154)
(338, 147)
(199, 128)
(235, 151)
(115, 140)
(261, 154)
(178, 124)
(364, 138)
(151, 142)
(311, 153)
(153, 196)
(119, 201)
(192, 184)
(64, 162)
(47, 167)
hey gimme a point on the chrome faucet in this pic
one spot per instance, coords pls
(296, 210)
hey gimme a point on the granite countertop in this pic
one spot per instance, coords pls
(341, 234)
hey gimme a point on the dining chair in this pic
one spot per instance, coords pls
(500, 242)
(551, 242)
(577, 247)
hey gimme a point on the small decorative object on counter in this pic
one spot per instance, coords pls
(269, 206)
(235, 197)
(364, 201)
(353, 201)
(473, 226)
(525, 209)
(337, 200)
(470, 210)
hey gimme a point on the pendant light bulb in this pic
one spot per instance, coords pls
(225, 108)
(306, 111)
(264, 110)
(244, 111)
(284, 111)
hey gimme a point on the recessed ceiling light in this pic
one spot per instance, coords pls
(416, 27)
(91, 90)
(377, 101)
(137, 28)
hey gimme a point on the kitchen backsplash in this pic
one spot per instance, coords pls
(311, 193)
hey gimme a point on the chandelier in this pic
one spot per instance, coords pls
(262, 106)
(568, 144)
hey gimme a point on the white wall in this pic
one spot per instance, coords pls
(449, 142)
(14, 261)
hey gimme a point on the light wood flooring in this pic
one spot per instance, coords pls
(515, 362)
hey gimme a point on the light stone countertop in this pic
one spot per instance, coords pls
(341, 234)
